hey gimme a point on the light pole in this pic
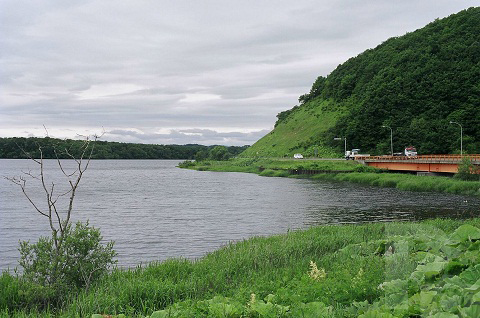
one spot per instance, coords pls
(344, 138)
(391, 138)
(461, 136)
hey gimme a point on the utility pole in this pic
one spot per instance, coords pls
(461, 136)
(345, 139)
(391, 138)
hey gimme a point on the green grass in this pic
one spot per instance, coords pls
(299, 133)
(255, 165)
(357, 174)
(276, 269)
(409, 182)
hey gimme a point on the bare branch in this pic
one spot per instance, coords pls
(59, 162)
(59, 220)
(46, 131)
(22, 182)
(30, 174)
(67, 152)
(89, 279)
(61, 195)
(27, 154)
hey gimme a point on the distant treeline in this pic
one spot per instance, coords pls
(20, 148)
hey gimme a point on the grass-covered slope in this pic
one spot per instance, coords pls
(300, 132)
(416, 84)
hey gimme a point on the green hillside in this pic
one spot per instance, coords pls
(416, 84)
(300, 131)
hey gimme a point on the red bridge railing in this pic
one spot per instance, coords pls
(425, 158)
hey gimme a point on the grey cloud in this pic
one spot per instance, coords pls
(132, 64)
(186, 136)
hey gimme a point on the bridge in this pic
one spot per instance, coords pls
(419, 164)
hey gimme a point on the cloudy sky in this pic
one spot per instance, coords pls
(181, 71)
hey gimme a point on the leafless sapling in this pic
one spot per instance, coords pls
(59, 264)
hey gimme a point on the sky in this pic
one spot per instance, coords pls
(181, 71)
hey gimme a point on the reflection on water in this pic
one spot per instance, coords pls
(154, 211)
(352, 203)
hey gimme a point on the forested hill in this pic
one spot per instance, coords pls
(416, 84)
(15, 148)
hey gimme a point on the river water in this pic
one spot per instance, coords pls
(155, 211)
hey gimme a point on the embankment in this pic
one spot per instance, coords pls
(339, 170)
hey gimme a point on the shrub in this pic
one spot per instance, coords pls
(267, 173)
(467, 171)
(363, 168)
(79, 261)
(281, 173)
(219, 153)
(186, 164)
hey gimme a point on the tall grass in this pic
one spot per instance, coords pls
(257, 165)
(357, 174)
(276, 265)
(412, 182)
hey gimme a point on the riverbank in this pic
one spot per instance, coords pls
(325, 271)
(339, 170)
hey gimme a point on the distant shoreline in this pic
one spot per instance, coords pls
(338, 170)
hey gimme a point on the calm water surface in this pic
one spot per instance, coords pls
(154, 211)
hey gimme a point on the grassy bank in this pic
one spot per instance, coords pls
(408, 182)
(325, 271)
(256, 165)
(336, 170)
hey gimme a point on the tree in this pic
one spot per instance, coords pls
(201, 155)
(219, 153)
(468, 171)
(70, 257)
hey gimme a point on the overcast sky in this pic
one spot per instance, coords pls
(158, 71)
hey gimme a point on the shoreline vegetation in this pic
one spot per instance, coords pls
(428, 268)
(338, 170)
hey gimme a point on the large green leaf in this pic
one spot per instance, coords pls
(447, 303)
(465, 233)
(475, 287)
(470, 312)
(424, 299)
(476, 298)
(444, 315)
(376, 314)
(431, 269)
(471, 275)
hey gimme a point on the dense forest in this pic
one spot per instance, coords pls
(416, 84)
(16, 148)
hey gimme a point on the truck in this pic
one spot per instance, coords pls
(410, 151)
(352, 154)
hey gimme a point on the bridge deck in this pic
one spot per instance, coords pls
(424, 163)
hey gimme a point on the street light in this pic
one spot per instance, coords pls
(461, 136)
(391, 138)
(344, 138)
